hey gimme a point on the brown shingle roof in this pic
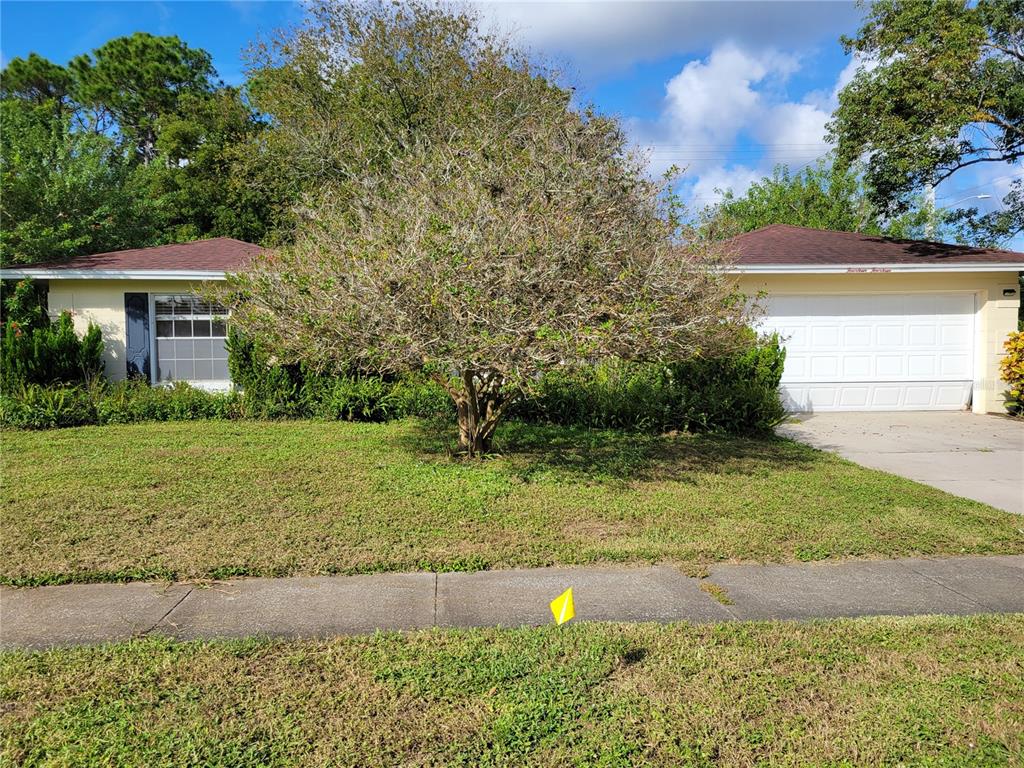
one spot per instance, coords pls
(787, 244)
(220, 254)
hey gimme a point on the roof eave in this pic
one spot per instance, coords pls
(826, 269)
(35, 273)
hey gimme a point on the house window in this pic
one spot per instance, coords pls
(190, 339)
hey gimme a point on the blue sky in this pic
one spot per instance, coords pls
(724, 88)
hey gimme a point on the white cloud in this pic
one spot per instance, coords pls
(793, 127)
(611, 35)
(736, 93)
(710, 184)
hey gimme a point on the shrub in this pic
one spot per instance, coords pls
(271, 390)
(1011, 368)
(35, 351)
(736, 393)
(131, 401)
(32, 406)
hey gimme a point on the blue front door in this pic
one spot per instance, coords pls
(137, 346)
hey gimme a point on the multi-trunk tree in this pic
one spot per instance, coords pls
(468, 220)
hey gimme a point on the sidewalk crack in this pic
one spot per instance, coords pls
(948, 588)
(434, 622)
(171, 610)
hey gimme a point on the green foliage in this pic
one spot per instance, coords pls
(735, 393)
(133, 145)
(24, 303)
(35, 351)
(271, 390)
(134, 81)
(37, 80)
(197, 186)
(943, 90)
(822, 196)
(36, 407)
(131, 401)
(64, 192)
(32, 406)
(1011, 368)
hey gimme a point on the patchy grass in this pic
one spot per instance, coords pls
(716, 591)
(885, 691)
(223, 499)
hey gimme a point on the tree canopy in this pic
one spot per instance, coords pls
(135, 81)
(132, 145)
(821, 196)
(471, 222)
(942, 89)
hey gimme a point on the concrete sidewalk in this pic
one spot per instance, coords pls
(331, 605)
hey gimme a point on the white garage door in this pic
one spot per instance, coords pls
(875, 352)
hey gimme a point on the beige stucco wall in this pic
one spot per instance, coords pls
(995, 318)
(102, 302)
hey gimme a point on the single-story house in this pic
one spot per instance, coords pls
(869, 323)
(145, 301)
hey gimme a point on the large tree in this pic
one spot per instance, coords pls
(64, 192)
(821, 196)
(130, 146)
(133, 82)
(942, 90)
(474, 224)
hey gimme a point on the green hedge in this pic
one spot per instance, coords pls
(271, 391)
(35, 407)
(736, 394)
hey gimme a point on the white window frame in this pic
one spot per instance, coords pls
(214, 385)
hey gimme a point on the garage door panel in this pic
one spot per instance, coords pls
(857, 336)
(891, 351)
(886, 397)
(920, 366)
(858, 367)
(889, 366)
(956, 335)
(955, 366)
(922, 335)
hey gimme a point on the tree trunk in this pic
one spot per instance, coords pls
(479, 403)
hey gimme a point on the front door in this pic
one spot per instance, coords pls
(137, 345)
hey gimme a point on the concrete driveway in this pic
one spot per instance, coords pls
(980, 457)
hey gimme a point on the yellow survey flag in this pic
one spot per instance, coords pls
(562, 608)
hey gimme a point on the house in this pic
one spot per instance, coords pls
(873, 323)
(146, 301)
(869, 323)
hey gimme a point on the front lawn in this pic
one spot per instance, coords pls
(868, 692)
(216, 499)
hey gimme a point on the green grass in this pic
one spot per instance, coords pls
(935, 691)
(220, 499)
